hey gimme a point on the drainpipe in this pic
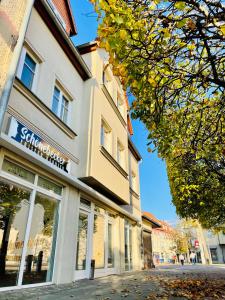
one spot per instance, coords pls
(14, 62)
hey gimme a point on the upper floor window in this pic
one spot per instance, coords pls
(106, 136)
(60, 105)
(120, 104)
(27, 69)
(107, 81)
(133, 181)
(120, 154)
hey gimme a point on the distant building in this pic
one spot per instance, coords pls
(163, 245)
(149, 222)
(216, 245)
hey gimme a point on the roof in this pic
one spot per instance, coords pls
(152, 219)
(65, 10)
(88, 47)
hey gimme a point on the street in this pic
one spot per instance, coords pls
(172, 282)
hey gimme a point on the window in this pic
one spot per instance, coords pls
(27, 69)
(60, 105)
(110, 246)
(107, 81)
(120, 154)
(27, 247)
(120, 104)
(106, 136)
(128, 245)
(133, 181)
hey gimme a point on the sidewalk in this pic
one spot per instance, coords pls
(132, 286)
(172, 282)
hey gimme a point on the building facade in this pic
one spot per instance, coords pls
(216, 246)
(149, 222)
(69, 176)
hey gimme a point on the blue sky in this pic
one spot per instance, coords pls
(155, 192)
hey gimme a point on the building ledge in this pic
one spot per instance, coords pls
(19, 86)
(113, 162)
(115, 108)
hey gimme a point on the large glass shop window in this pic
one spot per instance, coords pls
(14, 208)
(82, 242)
(128, 245)
(99, 238)
(32, 261)
(42, 238)
(110, 246)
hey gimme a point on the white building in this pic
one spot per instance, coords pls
(69, 176)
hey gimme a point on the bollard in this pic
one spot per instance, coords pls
(92, 270)
(29, 261)
(39, 262)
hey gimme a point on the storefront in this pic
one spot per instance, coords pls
(29, 213)
(96, 240)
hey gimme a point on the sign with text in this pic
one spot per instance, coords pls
(25, 136)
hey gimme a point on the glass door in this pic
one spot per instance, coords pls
(82, 260)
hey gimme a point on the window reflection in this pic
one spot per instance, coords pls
(82, 242)
(14, 207)
(99, 241)
(41, 244)
(110, 246)
(128, 245)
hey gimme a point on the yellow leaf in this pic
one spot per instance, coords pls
(123, 34)
(222, 29)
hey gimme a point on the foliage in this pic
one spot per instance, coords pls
(171, 55)
(180, 241)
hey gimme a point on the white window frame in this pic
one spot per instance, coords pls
(21, 65)
(61, 95)
(106, 141)
(120, 104)
(120, 154)
(133, 181)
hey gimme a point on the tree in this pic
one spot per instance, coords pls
(171, 56)
(180, 241)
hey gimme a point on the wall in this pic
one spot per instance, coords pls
(11, 16)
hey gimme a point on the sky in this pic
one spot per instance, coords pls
(155, 192)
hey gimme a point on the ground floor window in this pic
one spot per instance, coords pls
(82, 238)
(95, 240)
(28, 227)
(214, 255)
(128, 245)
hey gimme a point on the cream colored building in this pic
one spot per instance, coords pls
(69, 176)
(12, 14)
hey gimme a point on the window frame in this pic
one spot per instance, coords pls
(106, 129)
(120, 104)
(21, 64)
(62, 96)
(120, 154)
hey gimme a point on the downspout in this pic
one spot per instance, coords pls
(14, 62)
